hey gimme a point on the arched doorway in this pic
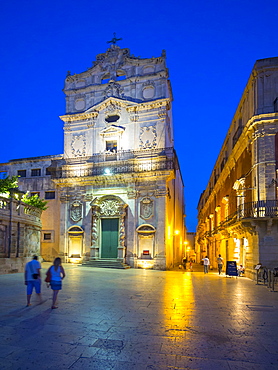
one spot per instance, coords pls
(75, 242)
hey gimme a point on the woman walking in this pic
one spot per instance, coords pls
(57, 274)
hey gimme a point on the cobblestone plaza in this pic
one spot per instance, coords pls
(139, 319)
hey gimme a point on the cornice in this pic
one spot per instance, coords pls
(78, 116)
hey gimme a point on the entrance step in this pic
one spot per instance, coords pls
(109, 264)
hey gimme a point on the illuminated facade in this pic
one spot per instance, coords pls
(116, 193)
(238, 211)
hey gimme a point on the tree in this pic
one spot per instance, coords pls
(12, 183)
(7, 184)
(35, 201)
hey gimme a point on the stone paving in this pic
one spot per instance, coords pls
(140, 319)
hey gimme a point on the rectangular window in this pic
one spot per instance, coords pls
(49, 195)
(111, 146)
(3, 175)
(34, 193)
(237, 135)
(21, 173)
(36, 172)
(47, 172)
(46, 236)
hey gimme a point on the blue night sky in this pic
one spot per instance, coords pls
(211, 47)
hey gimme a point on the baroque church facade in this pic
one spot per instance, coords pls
(116, 193)
(238, 211)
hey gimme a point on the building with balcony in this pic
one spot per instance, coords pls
(116, 193)
(238, 211)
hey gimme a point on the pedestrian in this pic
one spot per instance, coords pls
(32, 277)
(191, 266)
(220, 263)
(206, 264)
(240, 270)
(184, 262)
(57, 274)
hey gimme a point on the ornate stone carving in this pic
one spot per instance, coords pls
(148, 137)
(134, 117)
(146, 208)
(112, 108)
(109, 208)
(113, 89)
(132, 194)
(78, 145)
(122, 228)
(76, 211)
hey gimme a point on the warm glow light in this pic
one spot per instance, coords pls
(177, 232)
(75, 260)
(107, 172)
(145, 264)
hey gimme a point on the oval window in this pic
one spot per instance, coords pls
(113, 118)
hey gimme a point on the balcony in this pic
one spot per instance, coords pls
(122, 162)
(259, 209)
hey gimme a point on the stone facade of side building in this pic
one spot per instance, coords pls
(238, 211)
(116, 192)
(20, 234)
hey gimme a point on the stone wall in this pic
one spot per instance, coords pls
(20, 234)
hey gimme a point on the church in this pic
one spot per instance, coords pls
(116, 193)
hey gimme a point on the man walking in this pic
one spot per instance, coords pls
(33, 278)
(220, 264)
(206, 264)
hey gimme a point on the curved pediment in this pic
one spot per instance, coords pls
(112, 130)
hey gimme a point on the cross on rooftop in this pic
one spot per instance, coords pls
(114, 40)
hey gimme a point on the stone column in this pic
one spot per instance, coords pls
(94, 253)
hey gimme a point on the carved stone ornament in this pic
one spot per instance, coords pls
(76, 211)
(146, 208)
(148, 137)
(113, 89)
(112, 108)
(78, 145)
(108, 205)
(109, 208)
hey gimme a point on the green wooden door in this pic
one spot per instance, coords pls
(109, 237)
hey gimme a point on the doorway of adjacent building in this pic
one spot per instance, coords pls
(75, 246)
(109, 237)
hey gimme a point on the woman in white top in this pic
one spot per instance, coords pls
(57, 274)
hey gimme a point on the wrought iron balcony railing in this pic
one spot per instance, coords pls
(117, 163)
(258, 209)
